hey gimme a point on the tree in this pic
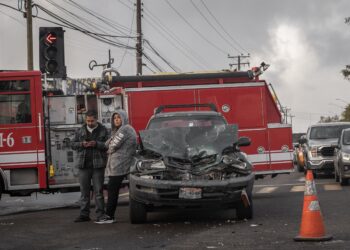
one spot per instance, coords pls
(346, 71)
(325, 119)
(345, 115)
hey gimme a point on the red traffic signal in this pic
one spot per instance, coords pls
(51, 51)
(50, 38)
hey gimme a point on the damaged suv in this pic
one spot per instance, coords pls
(190, 159)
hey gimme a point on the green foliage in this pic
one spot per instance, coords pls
(325, 119)
(346, 72)
(345, 115)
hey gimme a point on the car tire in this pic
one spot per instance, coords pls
(243, 212)
(137, 212)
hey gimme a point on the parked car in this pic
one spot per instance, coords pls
(342, 158)
(319, 144)
(190, 159)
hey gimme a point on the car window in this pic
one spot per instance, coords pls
(185, 122)
(346, 138)
(327, 132)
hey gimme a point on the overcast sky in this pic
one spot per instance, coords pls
(306, 42)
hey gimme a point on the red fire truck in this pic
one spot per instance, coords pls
(36, 126)
(241, 97)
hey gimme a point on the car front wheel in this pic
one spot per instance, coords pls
(138, 213)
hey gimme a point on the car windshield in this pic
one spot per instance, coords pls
(327, 132)
(186, 121)
(189, 142)
(346, 138)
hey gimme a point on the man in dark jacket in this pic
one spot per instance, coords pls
(89, 142)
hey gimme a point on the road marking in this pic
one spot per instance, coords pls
(302, 179)
(125, 194)
(297, 189)
(266, 190)
(332, 187)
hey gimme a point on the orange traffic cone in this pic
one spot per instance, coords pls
(311, 228)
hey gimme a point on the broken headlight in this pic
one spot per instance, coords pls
(150, 165)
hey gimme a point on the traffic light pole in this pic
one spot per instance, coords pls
(28, 5)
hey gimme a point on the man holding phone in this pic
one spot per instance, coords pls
(89, 142)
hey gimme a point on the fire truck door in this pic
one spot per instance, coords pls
(22, 154)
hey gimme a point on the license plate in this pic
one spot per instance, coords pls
(190, 193)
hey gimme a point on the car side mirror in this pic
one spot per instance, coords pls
(243, 141)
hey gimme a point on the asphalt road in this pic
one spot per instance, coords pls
(277, 214)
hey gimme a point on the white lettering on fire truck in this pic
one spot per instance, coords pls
(6, 140)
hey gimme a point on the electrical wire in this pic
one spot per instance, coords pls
(194, 29)
(221, 26)
(84, 31)
(213, 27)
(176, 69)
(171, 37)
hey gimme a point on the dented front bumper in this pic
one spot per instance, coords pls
(190, 192)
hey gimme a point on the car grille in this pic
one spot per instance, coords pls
(326, 151)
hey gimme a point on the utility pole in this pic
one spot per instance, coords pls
(239, 63)
(139, 38)
(28, 15)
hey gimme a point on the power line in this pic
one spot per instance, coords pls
(222, 27)
(185, 50)
(194, 29)
(177, 70)
(86, 32)
(211, 25)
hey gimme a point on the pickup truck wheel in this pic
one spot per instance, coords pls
(138, 213)
(243, 212)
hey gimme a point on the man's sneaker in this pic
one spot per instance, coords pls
(82, 219)
(105, 219)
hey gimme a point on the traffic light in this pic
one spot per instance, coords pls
(51, 51)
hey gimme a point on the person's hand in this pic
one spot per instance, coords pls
(92, 144)
(85, 144)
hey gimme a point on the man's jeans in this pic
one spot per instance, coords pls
(97, 177)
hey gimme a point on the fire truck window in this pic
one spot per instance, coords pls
(14, 86)
(92, 102)
(15, 109)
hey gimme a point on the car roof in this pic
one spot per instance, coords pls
(328, 124)
(187, 113)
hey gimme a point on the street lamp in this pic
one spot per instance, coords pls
(339, 99)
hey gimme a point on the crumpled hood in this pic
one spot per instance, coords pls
(189, 143)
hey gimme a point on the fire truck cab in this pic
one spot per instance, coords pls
(36, 127)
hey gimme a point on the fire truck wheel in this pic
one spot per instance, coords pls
(137, 211)
(243, 212)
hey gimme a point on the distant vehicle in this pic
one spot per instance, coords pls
(190, 159)
(319, 144)
(342, 158)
